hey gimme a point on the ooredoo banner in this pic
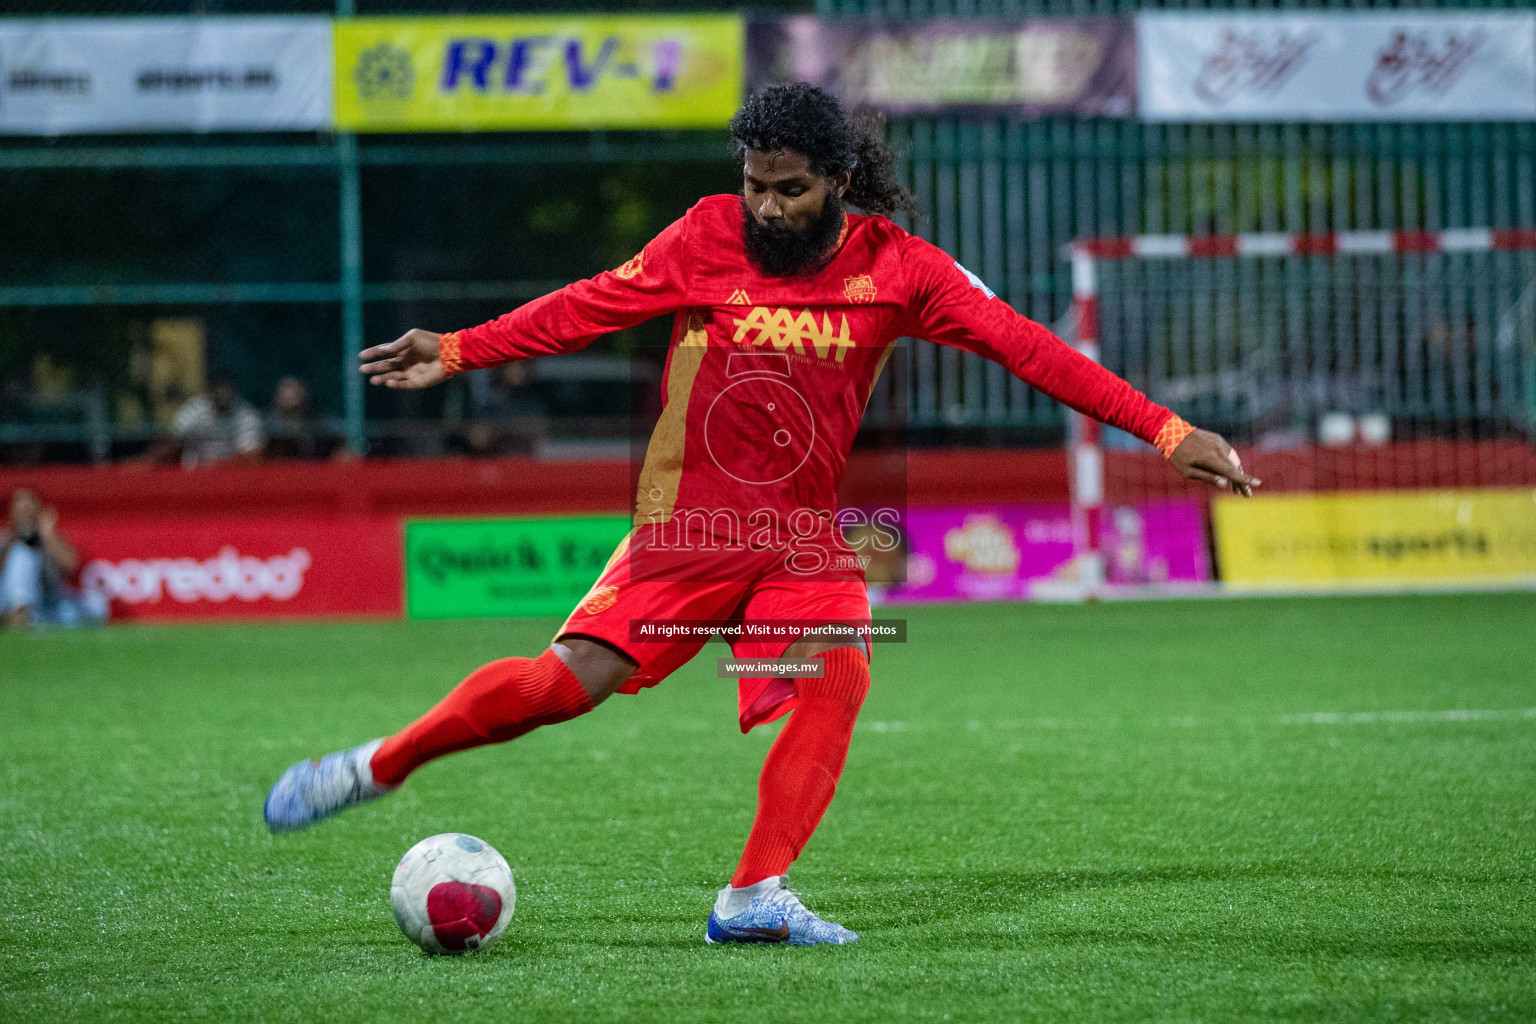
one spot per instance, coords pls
(1029, 67)
(243, 568)
(1337, 66)
(1378, 538)
(550, 72)
(165, 75)
(1017, 552)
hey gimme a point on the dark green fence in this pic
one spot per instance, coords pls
(296, 249)
(1007, 198)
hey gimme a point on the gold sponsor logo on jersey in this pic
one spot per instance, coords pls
(786, 330)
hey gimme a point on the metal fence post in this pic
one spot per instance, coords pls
(1085, 449)
(351, 292)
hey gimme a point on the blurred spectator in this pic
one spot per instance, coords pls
(218, 426)
(291, 432)
(508, 412)
(37, 564)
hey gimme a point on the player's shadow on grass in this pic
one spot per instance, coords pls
(631, 942)
(645, 927)
(1304, 944)
(929, 899)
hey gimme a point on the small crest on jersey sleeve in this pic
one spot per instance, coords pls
(976, 281)
(860, 288)
(632, 268)
(600, 599)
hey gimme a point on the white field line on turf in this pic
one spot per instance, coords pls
(1311, 718)
(1072, 593)
(1367, 717)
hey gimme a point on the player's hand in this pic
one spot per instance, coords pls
(413, 360)
(1206, 456)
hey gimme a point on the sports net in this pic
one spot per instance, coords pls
(1362, 361)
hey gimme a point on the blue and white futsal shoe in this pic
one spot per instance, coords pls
(775, 915)
(312, 790)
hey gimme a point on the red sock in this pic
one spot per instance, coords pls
(497, 702)
(803, 766)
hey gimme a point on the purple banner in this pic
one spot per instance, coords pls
(1015, 552)
(1084, 66)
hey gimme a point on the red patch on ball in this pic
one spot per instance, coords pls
(460, 911)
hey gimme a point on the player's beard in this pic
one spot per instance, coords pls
(780, 252)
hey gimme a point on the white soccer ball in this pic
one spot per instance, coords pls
(452, 894)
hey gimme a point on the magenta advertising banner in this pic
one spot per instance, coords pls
(1016, 552)
(1084, 66)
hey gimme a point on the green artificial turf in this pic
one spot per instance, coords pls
(1103, 813)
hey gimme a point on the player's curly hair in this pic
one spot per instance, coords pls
(811, 122)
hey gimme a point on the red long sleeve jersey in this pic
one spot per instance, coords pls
(767, 378)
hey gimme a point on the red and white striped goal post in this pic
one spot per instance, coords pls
(1085, 448)
(1327, 244)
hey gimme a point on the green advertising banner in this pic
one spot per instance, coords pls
(468, 568)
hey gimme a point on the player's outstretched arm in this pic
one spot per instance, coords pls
(566, 320)
(1207, 457)
(654, 282)
(413, 360)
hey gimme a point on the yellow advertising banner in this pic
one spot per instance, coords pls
(531, 73)
(1379, 537)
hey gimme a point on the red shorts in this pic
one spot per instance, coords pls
(718, 585)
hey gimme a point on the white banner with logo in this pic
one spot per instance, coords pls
(165, 75)
(1365, 66)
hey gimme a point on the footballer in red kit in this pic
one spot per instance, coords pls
(787, 306)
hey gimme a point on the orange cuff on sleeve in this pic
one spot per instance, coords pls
(453, 362)
(1173, 431)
